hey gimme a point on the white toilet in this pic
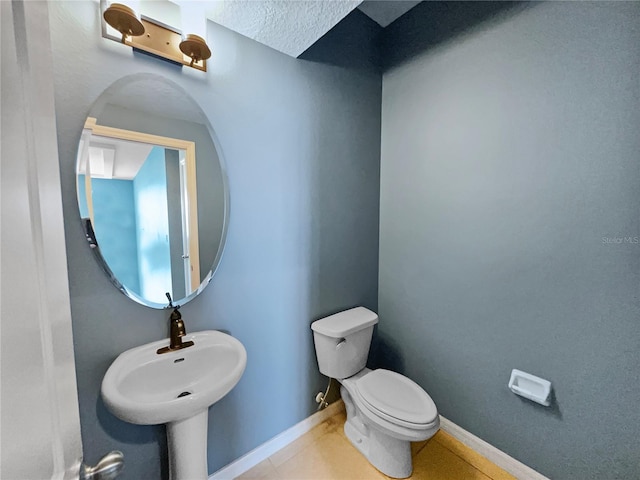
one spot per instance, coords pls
(385, 410)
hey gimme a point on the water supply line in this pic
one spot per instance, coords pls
(321, 397)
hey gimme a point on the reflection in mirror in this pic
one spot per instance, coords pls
(152, 192)
(141, 188)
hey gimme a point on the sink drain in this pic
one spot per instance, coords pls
(183, 394)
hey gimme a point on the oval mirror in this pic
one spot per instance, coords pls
(152, 190)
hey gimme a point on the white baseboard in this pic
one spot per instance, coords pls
(264, 451)
(491, 453)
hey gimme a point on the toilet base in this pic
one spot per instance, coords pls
(390, 455)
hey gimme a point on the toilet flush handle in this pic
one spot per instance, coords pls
(341, 342)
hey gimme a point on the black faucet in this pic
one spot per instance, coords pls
(176, 330)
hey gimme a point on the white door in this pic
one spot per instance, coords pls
(39, 419)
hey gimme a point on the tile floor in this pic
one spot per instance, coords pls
(324, 453)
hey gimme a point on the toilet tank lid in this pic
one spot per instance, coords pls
(344, 323)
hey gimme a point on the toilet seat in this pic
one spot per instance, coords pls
(397, 399)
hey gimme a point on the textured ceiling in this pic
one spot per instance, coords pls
(384, 12)
(289, 26)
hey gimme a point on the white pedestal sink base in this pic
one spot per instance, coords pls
(136, 385)
(187, 443)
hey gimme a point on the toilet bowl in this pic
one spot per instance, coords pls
(385, 410)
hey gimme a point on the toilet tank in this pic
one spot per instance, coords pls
(342, 341)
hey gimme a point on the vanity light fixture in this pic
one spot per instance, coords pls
(154, 37)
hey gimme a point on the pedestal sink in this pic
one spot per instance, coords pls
(176, 388)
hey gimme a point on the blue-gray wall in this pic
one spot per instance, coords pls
(510, 176)
(301, 143)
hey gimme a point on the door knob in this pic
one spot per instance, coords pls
(107, 468)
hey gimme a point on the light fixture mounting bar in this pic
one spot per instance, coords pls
(163, 41)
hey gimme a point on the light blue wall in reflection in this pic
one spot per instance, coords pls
(152, 227)
(115, 227)
(82, 197)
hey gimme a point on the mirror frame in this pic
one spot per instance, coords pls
(188, 146)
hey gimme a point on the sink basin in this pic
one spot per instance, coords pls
(147, 388)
